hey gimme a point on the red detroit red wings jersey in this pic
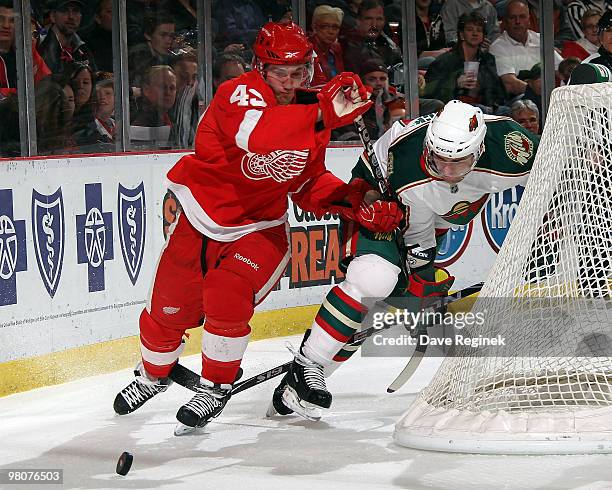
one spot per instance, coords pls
(250, 153)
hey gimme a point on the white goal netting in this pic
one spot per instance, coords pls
(549, 389)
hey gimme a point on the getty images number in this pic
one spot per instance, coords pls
(246, 97)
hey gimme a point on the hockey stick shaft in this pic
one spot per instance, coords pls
(383, 185)
(190, 380)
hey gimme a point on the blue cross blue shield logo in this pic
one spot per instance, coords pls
(49, 232)
(13, 256)
(131, 214)
(94, 237)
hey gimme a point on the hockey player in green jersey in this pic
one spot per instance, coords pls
(443, 168)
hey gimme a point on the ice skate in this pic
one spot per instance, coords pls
(306, 393)
(277, 407)
(207, 404)
(142, 389)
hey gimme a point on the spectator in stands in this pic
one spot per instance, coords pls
(156, 50)
(99, 37)
(566, 67)
(374, 74)
(326, 22)
(62, 44)
(185, 112)
(82, 83)
(182, 13)
(54, 110)
(369, 40)
(10, 142)
(576, 10)
(105, 107)
(589, 43)
(93, 121)
(453, 9)
(561, 29)
(241, 20)
(527, 114)
(533, 91)
(518, 48)
(431, 40)
(226, 67)
(158, 97)
(604, 53)
(446, 78)
(8, 55)
(185, 67)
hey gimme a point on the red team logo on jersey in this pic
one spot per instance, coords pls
(280, 165)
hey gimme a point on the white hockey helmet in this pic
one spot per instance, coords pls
(455, 132)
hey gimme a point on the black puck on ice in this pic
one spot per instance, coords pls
(125, 463)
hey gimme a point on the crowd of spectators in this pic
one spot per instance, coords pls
(485, 52)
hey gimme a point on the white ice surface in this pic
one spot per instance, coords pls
(73, 426)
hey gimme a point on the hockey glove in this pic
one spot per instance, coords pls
(422, 288)
(342, 99)
(363, 205)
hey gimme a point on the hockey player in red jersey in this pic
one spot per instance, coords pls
(229, 246)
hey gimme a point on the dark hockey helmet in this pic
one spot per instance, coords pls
(283, 44)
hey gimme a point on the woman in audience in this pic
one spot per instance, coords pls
(451, 77)
(81, 80)
(54, 110)
(326, 22)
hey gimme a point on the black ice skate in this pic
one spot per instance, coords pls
(306, 393)
(277, 407)
(142, 389)
(207, 404)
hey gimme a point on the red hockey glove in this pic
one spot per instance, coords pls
(342, 99)
(380, 216)
(364, 206)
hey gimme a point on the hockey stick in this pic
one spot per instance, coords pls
(420, 348)
(191, 380)
(383, 185)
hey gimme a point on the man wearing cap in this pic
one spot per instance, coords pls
(533, 92)
(62, 44)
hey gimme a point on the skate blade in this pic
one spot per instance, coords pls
(271, 412)
(302, 408)
(181, 429)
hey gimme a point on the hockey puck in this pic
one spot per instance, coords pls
(125, 463)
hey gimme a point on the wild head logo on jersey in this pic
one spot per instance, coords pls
(282, 165)
(473, 123)
(518, 147)
(463, 212)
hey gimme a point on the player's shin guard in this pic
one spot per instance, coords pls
(337, 320)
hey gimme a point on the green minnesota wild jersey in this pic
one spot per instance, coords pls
(434, 204)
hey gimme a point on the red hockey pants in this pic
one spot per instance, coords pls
(221, 281)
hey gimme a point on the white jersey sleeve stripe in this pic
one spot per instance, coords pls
(250, 120)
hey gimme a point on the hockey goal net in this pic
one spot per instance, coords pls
(549, 390)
